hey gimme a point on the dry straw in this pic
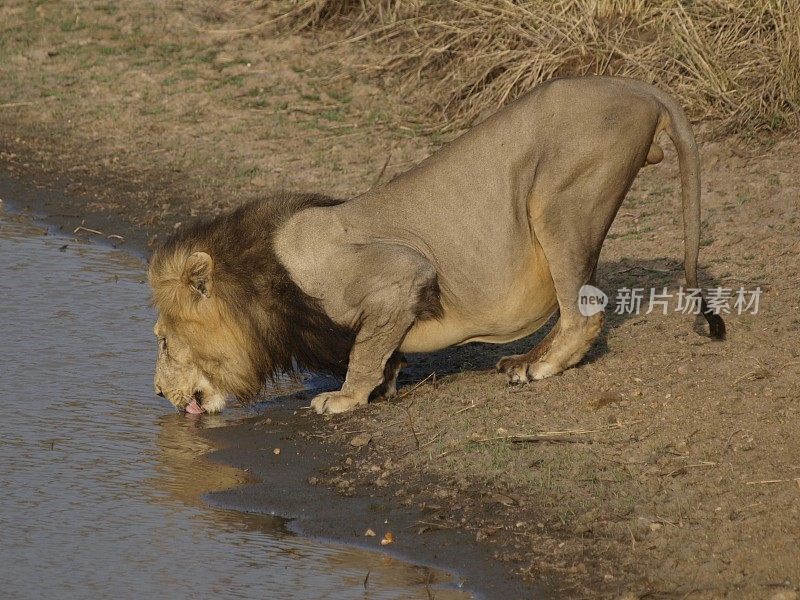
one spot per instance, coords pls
(735, 62)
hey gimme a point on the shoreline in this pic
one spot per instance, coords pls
(282, 485)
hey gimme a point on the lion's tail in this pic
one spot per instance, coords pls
(675, 123)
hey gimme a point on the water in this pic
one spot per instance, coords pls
(102, 484)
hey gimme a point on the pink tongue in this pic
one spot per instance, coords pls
(193, 408)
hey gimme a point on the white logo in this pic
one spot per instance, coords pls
(591, 300)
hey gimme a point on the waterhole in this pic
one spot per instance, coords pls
(103, 484)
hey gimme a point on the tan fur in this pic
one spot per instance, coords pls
(482, 241)
(200, 331)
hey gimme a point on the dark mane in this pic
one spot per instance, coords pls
(289, 330)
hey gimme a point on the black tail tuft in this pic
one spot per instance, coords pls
(716, 325)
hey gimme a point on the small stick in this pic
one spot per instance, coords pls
(728, 443)
(411, 424)
(683, 468)
(414, 388)
(420, 446)
(433, 439)
(525, 439)
(551, 435)
(465, 409)
(765, 481)
(667, 521)
(15, 104)
(383, 170)
(82, 228)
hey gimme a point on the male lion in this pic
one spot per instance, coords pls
(482, 241)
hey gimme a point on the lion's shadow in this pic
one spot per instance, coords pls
(612, 276)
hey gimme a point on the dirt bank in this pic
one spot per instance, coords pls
(664, 466)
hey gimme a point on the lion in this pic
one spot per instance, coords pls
(483, 241)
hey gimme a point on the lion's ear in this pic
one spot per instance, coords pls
(197, 273)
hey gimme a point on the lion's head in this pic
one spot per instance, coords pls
(204, 353)
(229, 315)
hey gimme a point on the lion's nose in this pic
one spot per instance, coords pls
(159, 392)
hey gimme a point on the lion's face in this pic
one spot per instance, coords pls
(204, 354)
(179, 376)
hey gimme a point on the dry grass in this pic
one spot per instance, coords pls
(735, 62)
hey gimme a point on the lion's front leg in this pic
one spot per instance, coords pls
(376, 342)
(392, 290)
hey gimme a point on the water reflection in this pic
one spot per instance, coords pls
(102, 484)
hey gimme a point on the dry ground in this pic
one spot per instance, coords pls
(678, 471)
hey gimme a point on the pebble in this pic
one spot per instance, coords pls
(388, 538)
(362, 439)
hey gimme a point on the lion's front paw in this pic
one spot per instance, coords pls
(332, 403)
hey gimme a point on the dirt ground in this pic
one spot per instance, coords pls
(665, 466)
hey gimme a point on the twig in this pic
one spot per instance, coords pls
(420, 446)
(15, 104)
(82, 228)
(765, 481)
(433, 439)
(465, 409)
(529, 439)
(730, 438)
(633, 538)
(383, 170)
(667, 521)
(683, 468)
(411, 424)
(549, 436)
(620, 271)
(429, 525)
(414, 387)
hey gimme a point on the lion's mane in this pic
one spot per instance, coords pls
(281, 329)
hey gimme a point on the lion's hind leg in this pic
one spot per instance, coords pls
(565, 345)
(516, 366)
(568, 348)
(573, 264)
(571, 234)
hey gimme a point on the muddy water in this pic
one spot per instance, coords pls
(102, 485)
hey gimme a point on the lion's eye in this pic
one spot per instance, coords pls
(162, 344)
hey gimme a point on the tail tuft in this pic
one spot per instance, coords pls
(716, 326)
